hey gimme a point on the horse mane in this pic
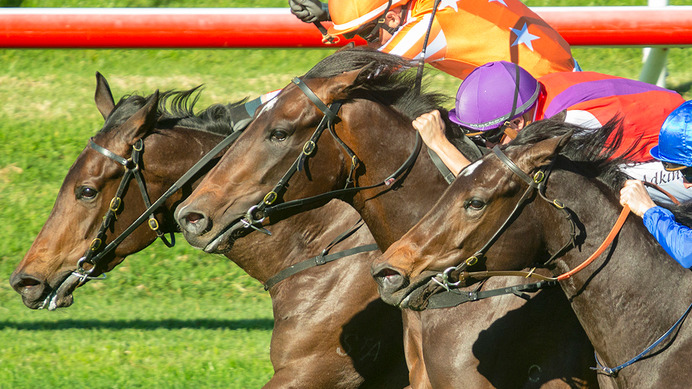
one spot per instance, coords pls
(589, 151)
(176, 108)
(386, 78)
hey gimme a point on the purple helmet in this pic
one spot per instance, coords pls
(675, 138)
(485, 98)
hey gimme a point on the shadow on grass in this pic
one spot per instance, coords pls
(151, 325)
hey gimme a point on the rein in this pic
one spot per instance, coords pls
(323, 258)
(257, 213)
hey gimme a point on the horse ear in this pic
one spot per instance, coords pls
(103, 96)
(143, 121)
(338, 86)
(560, 116)
(543, 153)
(348, 46)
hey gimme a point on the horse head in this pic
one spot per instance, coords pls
(466, 216)
(77, 226)
(319, 134)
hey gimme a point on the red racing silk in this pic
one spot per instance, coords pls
(469, 33)
(642, 106)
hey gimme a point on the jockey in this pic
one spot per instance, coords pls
(500, 98)
(464, 34)
(675, 152)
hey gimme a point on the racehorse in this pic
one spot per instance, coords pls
(363, 102)
(329, 330)
(629, 295)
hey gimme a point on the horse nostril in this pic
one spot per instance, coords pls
(194, 217)
(24, 283)
(194, 223)
(388, 278)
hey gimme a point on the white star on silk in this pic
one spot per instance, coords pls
(498, 1)
(448, 3)
(524, 36)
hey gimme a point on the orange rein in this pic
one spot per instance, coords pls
(609, 239)
(613, 232)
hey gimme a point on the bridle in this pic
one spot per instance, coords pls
(268, 205)
(96, 253)
(536, 185)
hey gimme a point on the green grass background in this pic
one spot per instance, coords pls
(166, 318)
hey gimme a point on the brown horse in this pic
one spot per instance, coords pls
(626, 299)
(364, 103)
(330, 330)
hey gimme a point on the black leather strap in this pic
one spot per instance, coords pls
(315, 261)
(453, 297)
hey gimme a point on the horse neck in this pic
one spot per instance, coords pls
(633, 281)
(382, 149)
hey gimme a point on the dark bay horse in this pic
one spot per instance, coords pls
(330, 330)
(368, 141)
(626, 299)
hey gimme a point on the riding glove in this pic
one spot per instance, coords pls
(309, 11)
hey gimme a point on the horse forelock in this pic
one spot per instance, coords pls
(386, 78)
(175, 108)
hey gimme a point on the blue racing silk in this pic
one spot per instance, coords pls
(675, 238)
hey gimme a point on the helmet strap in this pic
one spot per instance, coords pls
(381, 23)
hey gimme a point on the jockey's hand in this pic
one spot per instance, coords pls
(634, 194)
(309, 11)
(431, 128)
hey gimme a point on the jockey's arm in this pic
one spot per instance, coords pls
(432, 130)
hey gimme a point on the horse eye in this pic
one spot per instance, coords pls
(474, 204)
(278, 135)
(86, 193)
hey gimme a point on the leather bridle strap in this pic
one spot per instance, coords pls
(352, 190)
(96, 257)
(452, 298)
(533, 183)
(266, 207)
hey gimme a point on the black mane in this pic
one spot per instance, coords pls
(386, 78)
(176, 108)
(592, 151)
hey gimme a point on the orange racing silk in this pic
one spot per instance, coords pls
(643, 107)
(469, 33)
